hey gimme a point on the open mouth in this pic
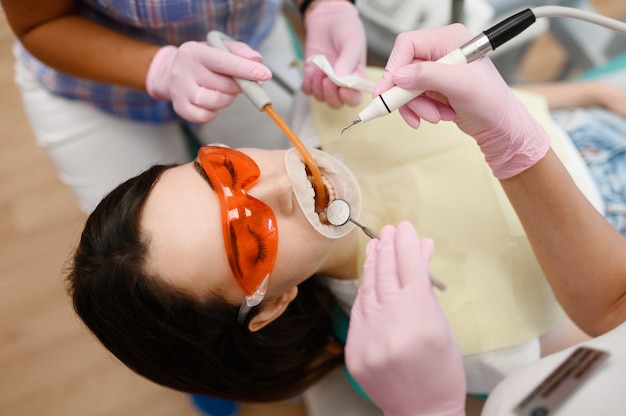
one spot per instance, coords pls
(329, 194)
(338, 181)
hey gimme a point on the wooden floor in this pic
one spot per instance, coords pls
(50, 365)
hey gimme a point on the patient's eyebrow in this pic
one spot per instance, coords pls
(202, 173)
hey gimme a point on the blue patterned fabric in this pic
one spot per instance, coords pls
(600, 137)
(160, 22)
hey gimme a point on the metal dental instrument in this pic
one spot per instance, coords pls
(338, 213)
(257, 95)
(479, 46)
(355, 121)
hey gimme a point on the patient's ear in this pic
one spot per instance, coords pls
(272, 310)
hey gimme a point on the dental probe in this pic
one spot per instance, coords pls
(478, 47)
(338, 213)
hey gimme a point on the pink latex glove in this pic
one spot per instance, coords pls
(400, 348)
(197, 78)
(474, 95)
(334, 29)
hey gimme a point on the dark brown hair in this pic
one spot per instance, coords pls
(191, 345)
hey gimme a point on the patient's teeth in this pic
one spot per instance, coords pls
(333, 173)
(329, 188)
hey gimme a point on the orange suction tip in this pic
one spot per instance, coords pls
(321, 200)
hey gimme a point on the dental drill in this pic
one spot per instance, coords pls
(480, 46)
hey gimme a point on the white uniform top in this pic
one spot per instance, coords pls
(601, 394)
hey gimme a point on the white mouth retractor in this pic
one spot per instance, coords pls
(338, 178)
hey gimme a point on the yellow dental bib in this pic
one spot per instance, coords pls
(437, 178)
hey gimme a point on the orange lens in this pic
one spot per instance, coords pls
(248, 225)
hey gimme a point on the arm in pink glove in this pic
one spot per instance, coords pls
(400, 348)
(197, 78)
(581, 254)
(334, 29)
(474, 95)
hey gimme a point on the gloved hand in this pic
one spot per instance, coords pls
(474, 95)
(400, 348)
(334, 29)
(197, 78)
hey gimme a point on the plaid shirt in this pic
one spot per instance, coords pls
(161, 22)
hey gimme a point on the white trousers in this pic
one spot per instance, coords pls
(94, 152)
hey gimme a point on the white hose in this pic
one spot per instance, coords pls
(598, 19)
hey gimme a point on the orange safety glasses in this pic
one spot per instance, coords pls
(248, 225)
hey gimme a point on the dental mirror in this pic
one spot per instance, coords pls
(338, 214)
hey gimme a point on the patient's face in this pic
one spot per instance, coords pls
(182, 218)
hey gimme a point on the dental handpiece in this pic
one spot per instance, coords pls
(477, 47)
(481, 45)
